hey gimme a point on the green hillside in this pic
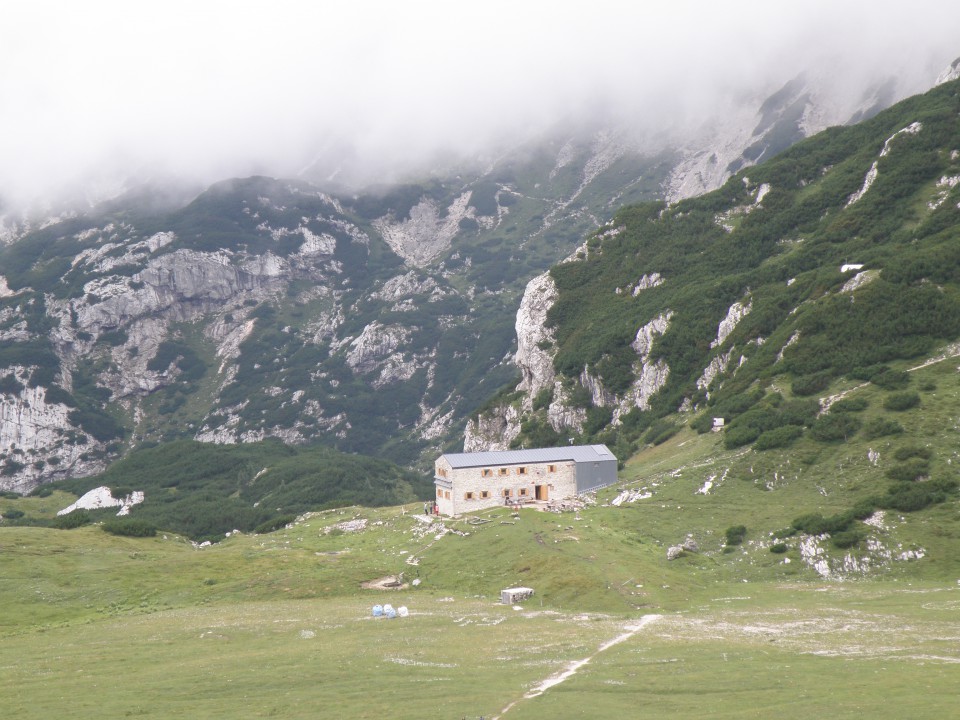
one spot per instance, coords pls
(204, 491)
(281, 624)
(753, 287)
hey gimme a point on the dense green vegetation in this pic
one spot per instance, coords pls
(774, 239)
(204, 491)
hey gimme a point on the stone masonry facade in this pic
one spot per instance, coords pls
(460, 490)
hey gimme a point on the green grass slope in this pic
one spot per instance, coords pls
(281, 625)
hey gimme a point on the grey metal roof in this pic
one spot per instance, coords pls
(576, 453)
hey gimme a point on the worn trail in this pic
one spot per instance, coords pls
(574, 667)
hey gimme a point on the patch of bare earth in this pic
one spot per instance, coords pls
(390, 582)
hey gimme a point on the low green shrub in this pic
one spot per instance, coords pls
(660, 432)
(911, 451)
(853, 404)
(817, 524)
(879, 427)
(543, 398)
(798, 412)
(11, 467)
(913, 496)
(778, 548)
(9, 385)
(834, 427)
(848, 538)
(810, 384)
(274, 524)
(735, 405)
(703, 423)
(129, 527)
(735, 437)
(910, 470)
(778, 438)
(75, 519)
(891, 379)
(908, 497)
(735, 534)
(898, 402)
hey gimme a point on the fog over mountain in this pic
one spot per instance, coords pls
(101, 93)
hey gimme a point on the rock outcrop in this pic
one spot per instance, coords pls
(535, 348)
(36, 437)
(426, 234)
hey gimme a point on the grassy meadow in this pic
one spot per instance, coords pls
(280, 625)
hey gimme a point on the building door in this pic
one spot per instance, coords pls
(540, 492)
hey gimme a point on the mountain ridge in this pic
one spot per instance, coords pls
(263, 308)
(601, 365)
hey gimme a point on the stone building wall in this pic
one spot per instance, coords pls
(462, 490)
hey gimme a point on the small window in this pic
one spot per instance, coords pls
(486, 472)
(551, 468)
(503, 471)
(507, 492)
(468, 496)
(521, 471)
(446, 494)
(439, 493)
(484, 494)
(522, 492)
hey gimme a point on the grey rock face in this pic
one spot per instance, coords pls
(425, 235)
(535, 350)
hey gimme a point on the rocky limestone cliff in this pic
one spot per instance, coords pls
(426, 234)
(534, 338)
(742, 133)
(35, 437)
(951, 72)
(500, 425)
(494, 430)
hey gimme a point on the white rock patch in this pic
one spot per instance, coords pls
(871, 176)
(735, 314)
(424, 236)
(101, 497)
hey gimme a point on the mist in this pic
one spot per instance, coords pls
(100, 93)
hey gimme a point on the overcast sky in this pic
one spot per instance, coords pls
(205, 89)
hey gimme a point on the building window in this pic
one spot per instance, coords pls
(551, 468)
(442, 472)
(503, 471)
(484, 494)
(521, 471)
(439, 493)
(486, 472)
(522, 492)
(507, 492)
(446, 494)
(468, 496)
